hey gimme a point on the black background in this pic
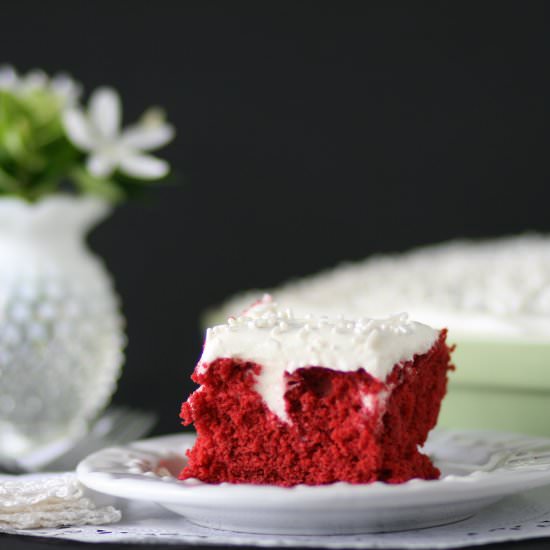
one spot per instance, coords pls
(308, 133)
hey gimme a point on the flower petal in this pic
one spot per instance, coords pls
(78, 129)
(100, 166)
(144, 167)
(8, 77)
(105, 111)
(66, 88)
(33, 80)
(147, 137)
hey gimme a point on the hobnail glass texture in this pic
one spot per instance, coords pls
(61, 331)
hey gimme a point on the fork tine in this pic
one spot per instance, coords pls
(117, 425)
(144, 427)
(111, 418)
(134, 427)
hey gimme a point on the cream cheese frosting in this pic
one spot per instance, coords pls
(280, 342)
(497, 288)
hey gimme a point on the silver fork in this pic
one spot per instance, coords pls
(119, 425)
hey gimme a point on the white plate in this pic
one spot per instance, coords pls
(479, 468)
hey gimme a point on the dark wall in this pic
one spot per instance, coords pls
(308, 133)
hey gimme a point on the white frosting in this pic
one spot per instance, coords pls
(496, 288)
(371, 401)
(281, 343)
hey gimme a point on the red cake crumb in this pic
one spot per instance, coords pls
(335, 432)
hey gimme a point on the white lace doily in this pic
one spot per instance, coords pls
(30, 502)
(519, 517)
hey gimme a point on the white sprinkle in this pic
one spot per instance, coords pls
(295, 343)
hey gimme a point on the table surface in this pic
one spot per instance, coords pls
(14, 542)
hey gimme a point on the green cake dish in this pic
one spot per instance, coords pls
(499, 385)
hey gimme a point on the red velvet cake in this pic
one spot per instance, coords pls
(287, 401)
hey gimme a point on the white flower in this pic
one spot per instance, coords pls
(62, 85)
(8, 78)
(35, 79)
(66, 88)
(98, 133)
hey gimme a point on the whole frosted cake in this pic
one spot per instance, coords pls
(286, 401)
(477, 289)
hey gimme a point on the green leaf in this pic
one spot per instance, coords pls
(106, 188)
(34, 151)
(8, 184)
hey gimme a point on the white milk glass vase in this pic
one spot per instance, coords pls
(61, 331)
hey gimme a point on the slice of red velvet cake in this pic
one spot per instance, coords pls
(286, 401)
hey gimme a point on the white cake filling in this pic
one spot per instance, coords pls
(496, 288)
(281, 343)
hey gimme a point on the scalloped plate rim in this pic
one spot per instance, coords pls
(87, 470)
